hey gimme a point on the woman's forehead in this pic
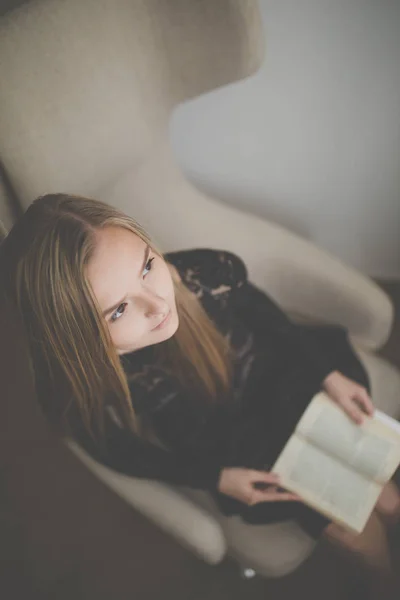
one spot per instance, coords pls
(116, 250)
(111, 241)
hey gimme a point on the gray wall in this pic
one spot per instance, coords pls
(312, 141)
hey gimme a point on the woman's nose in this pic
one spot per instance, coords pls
(155, 307)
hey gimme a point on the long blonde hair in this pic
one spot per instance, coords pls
(43, 264)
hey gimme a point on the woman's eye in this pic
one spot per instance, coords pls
(119, 312)
(148, 266)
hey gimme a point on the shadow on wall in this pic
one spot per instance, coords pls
(268, 209)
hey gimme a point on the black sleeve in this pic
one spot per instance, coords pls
(127, 453)
(264, 317)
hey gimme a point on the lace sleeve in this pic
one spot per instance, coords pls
(204, 270)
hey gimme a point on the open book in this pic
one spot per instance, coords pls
(336, 466)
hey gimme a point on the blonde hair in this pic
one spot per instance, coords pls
(43, 264)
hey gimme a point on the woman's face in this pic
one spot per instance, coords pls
(134, 289)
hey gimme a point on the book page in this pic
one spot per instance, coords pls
(327, 485)
(372, 449)
(391, 423)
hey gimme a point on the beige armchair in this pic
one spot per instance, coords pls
(87, 90)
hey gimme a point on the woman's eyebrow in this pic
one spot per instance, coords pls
(115, 306)
(145, 258)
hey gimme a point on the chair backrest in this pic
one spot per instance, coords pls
(88, 87)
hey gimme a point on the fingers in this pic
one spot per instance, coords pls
(357, 405)
(272, 493)
(258, 496)
(353, 411)
(282, 497)
(350, 395)
(263, 477)
(365, 401)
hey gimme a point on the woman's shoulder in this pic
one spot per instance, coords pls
(208, 267)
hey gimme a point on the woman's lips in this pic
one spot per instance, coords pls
(163, 323)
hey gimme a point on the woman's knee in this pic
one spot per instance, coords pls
(340, 536)
(388, 504)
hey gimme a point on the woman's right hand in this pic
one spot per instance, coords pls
(239, 484)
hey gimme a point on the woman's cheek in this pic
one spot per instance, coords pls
(125, 336)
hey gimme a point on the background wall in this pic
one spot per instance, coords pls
(312, 141)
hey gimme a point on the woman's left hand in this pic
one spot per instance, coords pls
(351, 396)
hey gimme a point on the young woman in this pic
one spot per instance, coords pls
(175, 367)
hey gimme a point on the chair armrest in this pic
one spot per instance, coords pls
(301, 277)
(306, 279)
(192, 526)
